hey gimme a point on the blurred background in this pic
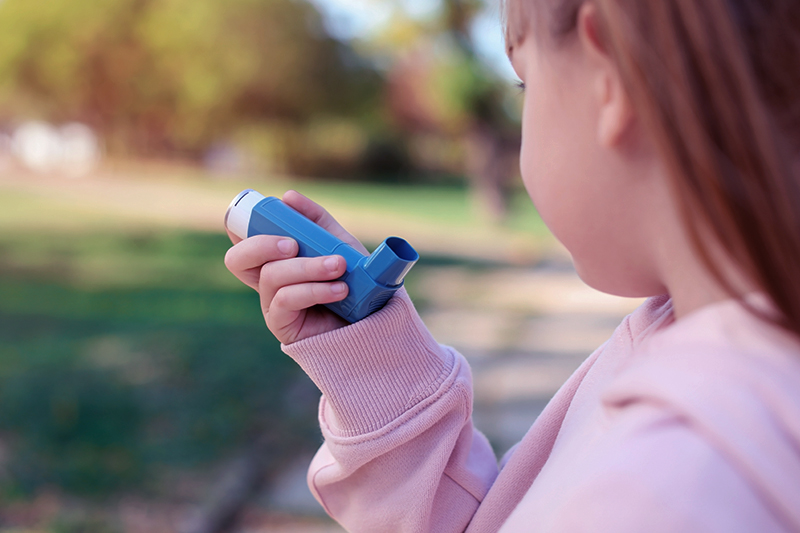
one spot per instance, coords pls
(139, 388)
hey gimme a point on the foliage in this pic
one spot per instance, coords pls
(160, 75)
(256, 85)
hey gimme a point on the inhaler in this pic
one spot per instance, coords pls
(372, 279)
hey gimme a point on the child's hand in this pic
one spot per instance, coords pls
(291, 288)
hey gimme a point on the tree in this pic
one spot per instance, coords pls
(163, 75)
(440, 86)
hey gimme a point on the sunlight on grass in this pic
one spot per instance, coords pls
(438, 220)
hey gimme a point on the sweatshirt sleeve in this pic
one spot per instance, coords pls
(400, 451)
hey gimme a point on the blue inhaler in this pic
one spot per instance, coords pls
(372, 279)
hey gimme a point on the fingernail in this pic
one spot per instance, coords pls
(286, 246)
(332, 263)
(338, 288)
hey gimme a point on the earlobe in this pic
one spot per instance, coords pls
(615, 110)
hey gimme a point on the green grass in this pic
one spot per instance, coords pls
(437, 219)
(133, 259)
(128, 350)
(434, 204)
(124, 355)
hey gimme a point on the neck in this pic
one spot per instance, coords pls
(690, 283)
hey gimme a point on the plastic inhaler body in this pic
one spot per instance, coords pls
(372, 279)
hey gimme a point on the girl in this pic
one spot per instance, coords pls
(661, 142)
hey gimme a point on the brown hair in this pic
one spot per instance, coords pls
(717, 83)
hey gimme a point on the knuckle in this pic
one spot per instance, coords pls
(281, 298)
(320, 214)
(310, 269)
(321, 267)
(320, 291)
(266, 276)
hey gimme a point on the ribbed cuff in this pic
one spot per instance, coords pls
(372, 371)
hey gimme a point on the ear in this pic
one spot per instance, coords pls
(616, 113)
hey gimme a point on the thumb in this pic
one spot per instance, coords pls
(317, 214)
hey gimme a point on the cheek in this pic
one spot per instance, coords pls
(591, 198)
(531, 162)
(546, 163)
(583, 199)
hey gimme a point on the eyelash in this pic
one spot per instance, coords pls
(520, 85)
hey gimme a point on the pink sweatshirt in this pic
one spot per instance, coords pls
(687, 426)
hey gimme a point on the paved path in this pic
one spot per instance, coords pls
(523, 331)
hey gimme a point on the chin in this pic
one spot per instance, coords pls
(620, 281)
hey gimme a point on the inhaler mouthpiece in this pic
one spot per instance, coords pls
(391, 261)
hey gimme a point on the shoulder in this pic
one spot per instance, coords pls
(729, 382)
(655, 473)
(716, 356)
